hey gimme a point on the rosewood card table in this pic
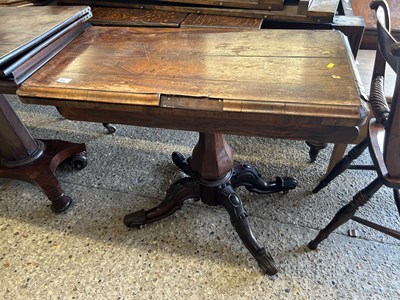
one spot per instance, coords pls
(269, 83)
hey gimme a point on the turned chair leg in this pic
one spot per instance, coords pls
(342, 165)
(396, 195)
(315, 148)
(347, 212)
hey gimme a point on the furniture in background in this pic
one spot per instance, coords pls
(361, 8)
(383, 138)
(24, 48)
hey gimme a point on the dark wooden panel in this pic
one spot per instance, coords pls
(252, 4)
(289, 13)
(136, 17)
(203, 120)
(196, 20)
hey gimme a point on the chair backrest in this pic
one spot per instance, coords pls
(388, 52)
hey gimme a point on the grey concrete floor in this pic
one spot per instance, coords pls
(87, 252)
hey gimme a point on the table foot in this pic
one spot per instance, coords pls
(110, 128)
(179, 191)
(40, 169)
(249, 177)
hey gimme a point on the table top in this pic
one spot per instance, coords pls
(19, 31)
(267, 71)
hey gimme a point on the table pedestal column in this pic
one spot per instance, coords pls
(212, 178)
(35, 161)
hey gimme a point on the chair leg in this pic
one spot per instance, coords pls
(347, 212)
(342, 165)
(338, 153)
(315, 148)
(396, 194)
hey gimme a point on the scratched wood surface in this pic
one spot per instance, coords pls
(268, 71)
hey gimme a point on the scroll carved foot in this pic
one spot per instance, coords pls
(239, 218)
(182, 163)
(243, 175)
(249, 177)
(179, 191)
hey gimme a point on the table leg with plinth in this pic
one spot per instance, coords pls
(35, 161)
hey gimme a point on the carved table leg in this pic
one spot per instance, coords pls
(211, 170)
(35, 161)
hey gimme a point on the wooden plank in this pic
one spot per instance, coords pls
(136, 17)
(252, 4)
(251, 66)
(287, 14)
(323, 8)
(253, 124)
(197, 20)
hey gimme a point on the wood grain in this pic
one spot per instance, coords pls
(206, 63)
(198, 20)
(289, 12)
(136, 17)
(253, 4)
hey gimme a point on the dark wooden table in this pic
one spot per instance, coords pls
(24, 47)
(268, 83)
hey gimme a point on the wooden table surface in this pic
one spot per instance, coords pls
(272, 73)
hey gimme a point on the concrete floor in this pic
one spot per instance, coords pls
(87, 252)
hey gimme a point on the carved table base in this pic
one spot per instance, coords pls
(212, 179)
